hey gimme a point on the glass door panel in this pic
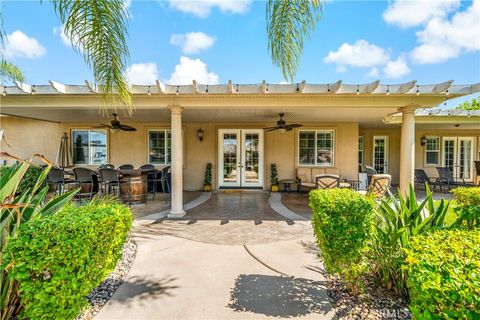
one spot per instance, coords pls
(449, 146)
(458, 156)
(252, 158)
(229, 157)
(380, 154)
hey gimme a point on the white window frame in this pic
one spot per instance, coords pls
(90, 156)
(360, 161)
(316, 131)
(166, 131)
(439, 151)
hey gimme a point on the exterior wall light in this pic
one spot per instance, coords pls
(423, 141)
(200, 134)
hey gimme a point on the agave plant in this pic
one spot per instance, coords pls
(398, 219)
(17, 209)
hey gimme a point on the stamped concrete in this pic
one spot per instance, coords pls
(225, 260)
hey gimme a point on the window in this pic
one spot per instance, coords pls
(159, 147)
(89, 146)
(360, 150)
(316, 148)
(432, 151)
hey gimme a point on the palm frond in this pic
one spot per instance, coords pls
(10, 72)
(98, 31)
(289, 22)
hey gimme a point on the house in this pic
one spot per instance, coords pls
(391, 127)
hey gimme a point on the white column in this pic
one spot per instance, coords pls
(407, 148)
(176, 210)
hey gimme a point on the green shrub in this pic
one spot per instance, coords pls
(59, 259)
(443, 270)
(29, 178)
(397, 220)
(342, 223)
(468, 206)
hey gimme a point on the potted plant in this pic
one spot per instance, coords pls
(274, 177)
(207, 181)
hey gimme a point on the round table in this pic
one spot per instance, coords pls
(287, 184)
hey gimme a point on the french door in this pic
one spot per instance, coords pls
(458, 156)
(380, 153)
(240, 158)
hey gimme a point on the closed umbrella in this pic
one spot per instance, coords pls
(64, 156)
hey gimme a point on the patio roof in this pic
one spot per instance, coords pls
(438, 116)
(337, 88)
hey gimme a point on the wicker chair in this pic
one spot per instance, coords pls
(57, 179)
(370, 172)
(109, 181)
(84, 181)
(379, 185)
(106, 166)
(327, 181)
(151, 179)
(126, 167)
(163, 179)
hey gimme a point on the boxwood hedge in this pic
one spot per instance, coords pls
(59, 259)
(468, 206)
(443, 275)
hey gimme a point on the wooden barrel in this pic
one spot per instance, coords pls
(133, 189)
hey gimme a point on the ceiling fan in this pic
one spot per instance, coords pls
(282, 126)
(116, 126)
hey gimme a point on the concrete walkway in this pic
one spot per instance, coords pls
(178, 277)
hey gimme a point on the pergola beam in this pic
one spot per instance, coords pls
(160, 87)
(24, 87)
(92, 87)
(60, 88)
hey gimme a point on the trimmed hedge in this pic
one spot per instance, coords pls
(59, 259)
(342, 223)
(468, 205)
(444, 275)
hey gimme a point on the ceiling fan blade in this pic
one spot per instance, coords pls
(124, 127)
(272, 129)
(269, 128)
(294, 125)
(103, 125)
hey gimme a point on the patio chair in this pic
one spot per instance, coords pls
(163, 180)
(84, 180)
(151, 179)
(422, 177)
(327, 181)
(477, 168)
(378, 186)
(126, 167)
(448, 181)
(106, 166)
(370, 172)
(56, 178)
(109, 181)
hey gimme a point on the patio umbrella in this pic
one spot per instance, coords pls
(64, 156)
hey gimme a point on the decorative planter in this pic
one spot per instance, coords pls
(274, 188)
(207, 187)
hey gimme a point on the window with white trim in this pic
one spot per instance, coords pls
(159, 146)
(89, 146)
(360, 150)
(316, 148)
(432, 151)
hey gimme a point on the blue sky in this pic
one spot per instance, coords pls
(215, 41)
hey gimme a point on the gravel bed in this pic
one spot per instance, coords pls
(373, 303)
(101, 294)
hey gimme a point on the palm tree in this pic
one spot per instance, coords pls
(98, 32)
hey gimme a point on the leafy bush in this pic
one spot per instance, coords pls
(274, 174)
(208, 175)
(443, 275)
(28, 180)
(16, 209)
(59, 259)
(468, 206)
(342, 223)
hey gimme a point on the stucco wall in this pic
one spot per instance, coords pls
(27, 137)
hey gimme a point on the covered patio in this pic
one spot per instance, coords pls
(189, 126)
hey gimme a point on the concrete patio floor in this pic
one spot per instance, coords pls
(232, 257)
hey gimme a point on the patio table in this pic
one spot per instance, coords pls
(133, 185)
(287, 184)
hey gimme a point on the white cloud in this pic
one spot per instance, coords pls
(20, 45)
(396, 68)
(192, 69)
(60, 31)
(360, 54)
(373, 73)
(203, 8)
(408, 13)
(444, 39)
(142, 73)
(192, 42)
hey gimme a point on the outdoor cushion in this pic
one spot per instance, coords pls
(316, 172)
(304, 174)
(332, 171)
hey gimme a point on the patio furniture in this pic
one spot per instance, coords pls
(287, 184)
(353, 184)
(164, 183)
(106, 166)
(109, 181)
(84, 180)
(126, 167)
(327, 181)
(151, 178)
(447, 181)
(306, 176)
(370, 172)
(422, 177)
(477, 168)
(133, 186)
(379, 185)
(56, 177)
